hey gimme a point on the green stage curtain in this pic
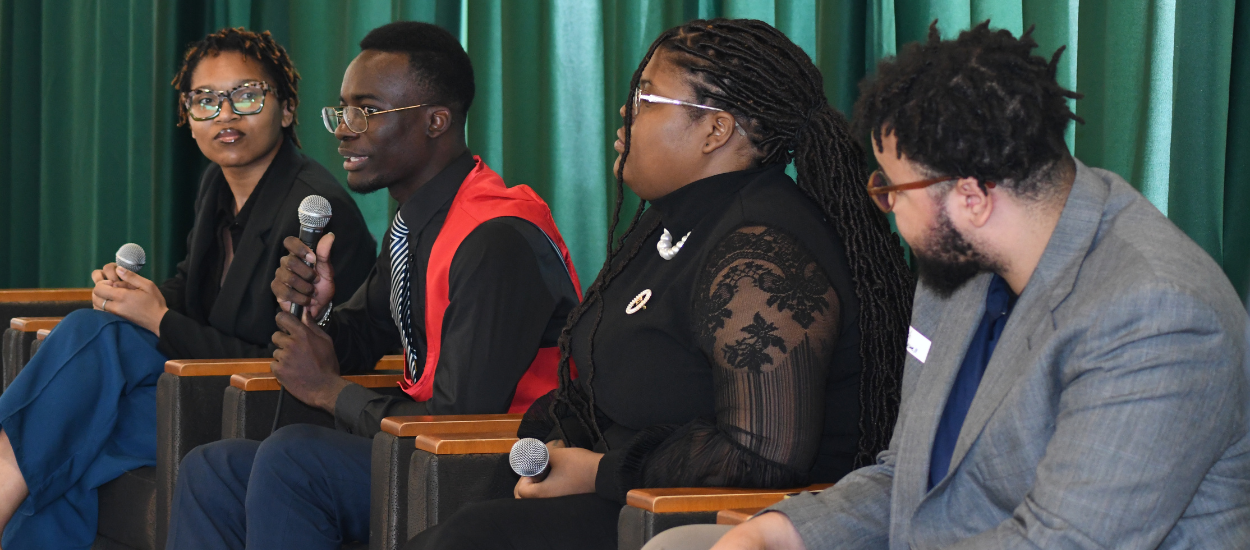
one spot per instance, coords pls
(90, 157)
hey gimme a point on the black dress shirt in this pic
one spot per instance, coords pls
(509, 295)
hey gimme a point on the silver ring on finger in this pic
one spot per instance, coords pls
(105, 306)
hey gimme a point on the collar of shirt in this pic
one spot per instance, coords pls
(682, 209)
(437, 193)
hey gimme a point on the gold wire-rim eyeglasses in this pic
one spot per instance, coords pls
(338, 116)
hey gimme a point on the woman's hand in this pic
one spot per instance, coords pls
(133, 298)
(109, 273)
(572, 472)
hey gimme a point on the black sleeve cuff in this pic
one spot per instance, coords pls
(349, 407)
(621, 470)
(173, 324)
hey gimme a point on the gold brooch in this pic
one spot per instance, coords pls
(639, 302)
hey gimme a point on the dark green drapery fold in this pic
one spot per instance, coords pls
(90, 157)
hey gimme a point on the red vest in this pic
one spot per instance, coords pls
(482, 197)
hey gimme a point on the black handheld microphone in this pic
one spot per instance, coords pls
(529, 458)
(131, 257)
(314, 215)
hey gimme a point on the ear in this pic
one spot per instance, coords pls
(721, 127)
(970, 201)
(288, 114)
(439, 119)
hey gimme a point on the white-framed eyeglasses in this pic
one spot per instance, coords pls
(639, 97)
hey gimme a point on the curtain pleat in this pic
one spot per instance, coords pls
(90, 157)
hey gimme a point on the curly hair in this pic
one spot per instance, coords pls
(776, 93)
(260, 47)
(979, 106)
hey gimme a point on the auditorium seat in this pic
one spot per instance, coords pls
(251, 400)
(18, 339)
(651, 511)
(441, 473)
(456, 461)
(40, 336)
(134, 508)
(38, 302)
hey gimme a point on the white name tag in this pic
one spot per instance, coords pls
(917, 344)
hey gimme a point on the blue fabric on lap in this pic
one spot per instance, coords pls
(81, 413)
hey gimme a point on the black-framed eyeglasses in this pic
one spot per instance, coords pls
(246, 99)
(356, 118)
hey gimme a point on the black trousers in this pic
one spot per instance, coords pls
(575, 522)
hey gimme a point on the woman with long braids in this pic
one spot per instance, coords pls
(745, 331)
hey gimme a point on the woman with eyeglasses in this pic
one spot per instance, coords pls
(746, 331)
(83, 410)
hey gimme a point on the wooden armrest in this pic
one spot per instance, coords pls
(463, 444)
(46, 295)
(266, 381)
(412, 426)
(33, 324)
(42, 334)
(390, 362)
(709, 499)
(229, 367)
(736, 516)
(215, 367)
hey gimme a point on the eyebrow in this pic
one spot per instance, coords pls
(235, 84)
(362, 97)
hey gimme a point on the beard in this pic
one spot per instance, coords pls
(948, 261)
(368, 186)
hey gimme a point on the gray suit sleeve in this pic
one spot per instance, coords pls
(1150, 399)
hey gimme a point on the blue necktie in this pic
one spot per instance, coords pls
(998, 303)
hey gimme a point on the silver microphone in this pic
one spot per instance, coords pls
(131, 257)
(314, 215)
(529, 458)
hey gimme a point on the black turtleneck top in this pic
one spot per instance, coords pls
(743, 367)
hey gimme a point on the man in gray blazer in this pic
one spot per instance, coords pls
(1077, 373)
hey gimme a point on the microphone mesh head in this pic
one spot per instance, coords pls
(528, 457)
(131, 256)
(314, 211)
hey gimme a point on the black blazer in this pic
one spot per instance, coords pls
(241, 321)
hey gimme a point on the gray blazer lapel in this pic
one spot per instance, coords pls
(949, 331)
(1051, 282)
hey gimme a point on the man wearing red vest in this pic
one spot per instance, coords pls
(473, 287)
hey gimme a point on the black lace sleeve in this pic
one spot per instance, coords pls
(768, 323)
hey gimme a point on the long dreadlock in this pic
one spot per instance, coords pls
(751, 70)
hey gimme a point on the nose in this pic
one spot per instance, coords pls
(622, 111)
(227, 113)
(342, 132)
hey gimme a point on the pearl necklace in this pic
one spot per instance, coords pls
(667, 248)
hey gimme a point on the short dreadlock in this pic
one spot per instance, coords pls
(773, 89)
(979, 106)
(258, 46)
